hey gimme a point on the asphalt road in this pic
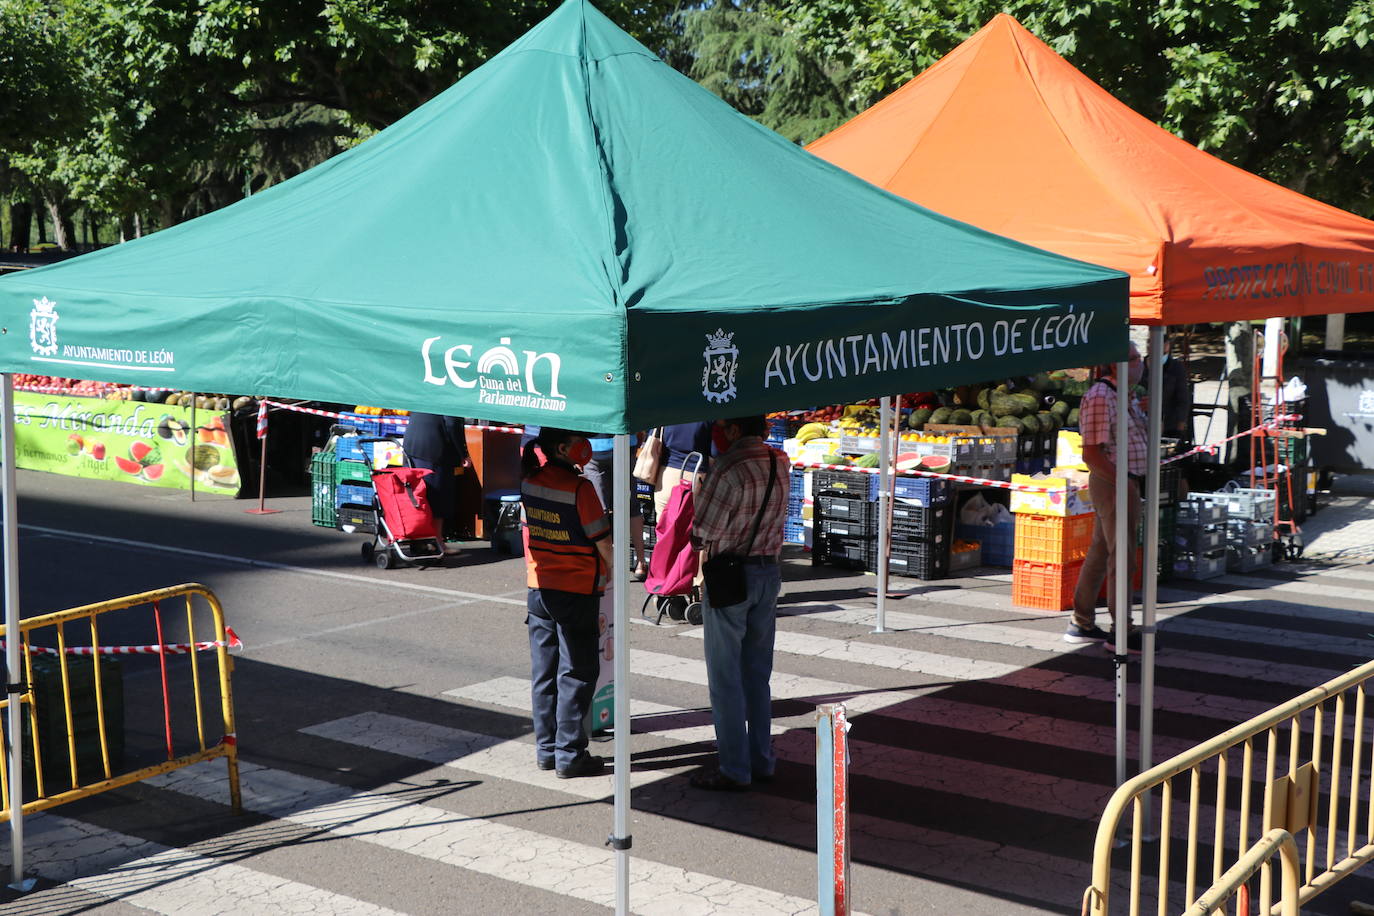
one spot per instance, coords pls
(383, 724)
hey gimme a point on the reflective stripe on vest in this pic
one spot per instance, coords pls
(559, 552)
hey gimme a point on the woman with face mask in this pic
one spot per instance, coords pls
(1097, 422)
(568, 557)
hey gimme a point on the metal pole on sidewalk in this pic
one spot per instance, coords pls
(14, 665)
(832, 810)
(1150, 572)
(884, 506)
(1124, 548)
(619, 839)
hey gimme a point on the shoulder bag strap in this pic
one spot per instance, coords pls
(772, 476)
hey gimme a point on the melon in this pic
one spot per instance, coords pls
(154, 471)
(127, 466)
(935, 463)
(140, 450)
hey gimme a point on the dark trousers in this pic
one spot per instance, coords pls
(564, 664)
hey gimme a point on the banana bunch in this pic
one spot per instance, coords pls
(812, 431)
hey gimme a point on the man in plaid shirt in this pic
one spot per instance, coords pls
(739, 637)
(1097, 422)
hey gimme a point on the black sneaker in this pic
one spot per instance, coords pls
(1081, 635)
(544, 764)
(1133, 642)
(583, 764)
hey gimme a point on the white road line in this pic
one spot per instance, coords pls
(386, 818)
(883, 656)
(1052, 642)
(171, 881)
(865, 653)
(389, 585)
(508, 759)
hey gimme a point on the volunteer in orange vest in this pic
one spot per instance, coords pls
(568, 555)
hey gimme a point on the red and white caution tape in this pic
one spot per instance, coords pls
(957, 478)
(232, 643)
(262, 419)
(1211, 448)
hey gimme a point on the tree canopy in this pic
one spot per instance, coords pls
(171, 108)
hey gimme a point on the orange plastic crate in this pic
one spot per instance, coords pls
(1053, 538)
(1046, 586)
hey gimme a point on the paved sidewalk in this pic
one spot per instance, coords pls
(1343, 530)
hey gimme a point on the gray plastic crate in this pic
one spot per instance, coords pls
(1200, 565)
(1248, 559)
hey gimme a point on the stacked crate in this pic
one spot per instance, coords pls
(794, 525)
(846, 523)
(1048, 553)
(920, 528)
(845, 519)
(1199, 541)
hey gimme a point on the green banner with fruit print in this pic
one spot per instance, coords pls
(131, 441)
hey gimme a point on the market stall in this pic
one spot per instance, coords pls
(1006, 134)
(573, 235)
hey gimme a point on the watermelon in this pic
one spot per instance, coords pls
(867, 461)
(127, 466)
(154, 471)
(140, 450)
(936, 463)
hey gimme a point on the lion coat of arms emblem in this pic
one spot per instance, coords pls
(43, 326)
(718, 376)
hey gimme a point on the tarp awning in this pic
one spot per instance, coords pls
(1006, 134)
(573, 235)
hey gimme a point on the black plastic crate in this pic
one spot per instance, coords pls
(920, 561)
(912, 524)
(360, 518)
(839, 527)
(844, 483)
(50, 710)
(851, 509)
(847, 552)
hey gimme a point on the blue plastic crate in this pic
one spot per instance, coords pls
(998, 541)
(794, 533)
(353, 495)
(347, 448)
(928, 491)
(365, 425)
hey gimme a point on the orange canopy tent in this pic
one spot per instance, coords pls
(1007, 135)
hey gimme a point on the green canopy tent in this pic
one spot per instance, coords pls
(573, 235)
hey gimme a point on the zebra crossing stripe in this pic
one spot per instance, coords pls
(1028, 678)
(385, 818)
(1222, 662)
(160, 879)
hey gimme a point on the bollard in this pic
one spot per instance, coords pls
(832, 810)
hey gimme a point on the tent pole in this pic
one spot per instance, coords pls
(620, 538)
(884, 506)
(1150, 571)
(1124, 548)
(14, 666)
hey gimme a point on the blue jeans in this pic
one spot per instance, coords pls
(739, 662)
(564, 664)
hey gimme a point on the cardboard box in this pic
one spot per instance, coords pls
(1068, 450)
(1068, 493)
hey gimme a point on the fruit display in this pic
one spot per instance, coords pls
(388, 412)
(79, 387)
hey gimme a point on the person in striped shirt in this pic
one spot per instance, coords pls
(1097, 422)
(740, 510)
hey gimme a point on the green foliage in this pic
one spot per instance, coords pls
(1282, 88)
(746, 56)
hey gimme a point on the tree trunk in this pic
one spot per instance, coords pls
(63, 232)
(42, 225)
(21, 224)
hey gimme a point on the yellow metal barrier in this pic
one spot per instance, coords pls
(1278, 839)
(226, 746)
(1213, 814)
